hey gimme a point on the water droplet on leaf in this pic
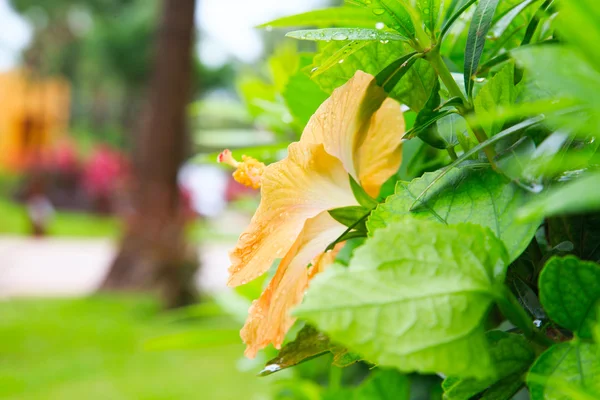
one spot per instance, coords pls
(269, 369)
(340, 36)
(378, 11)
(379, 25)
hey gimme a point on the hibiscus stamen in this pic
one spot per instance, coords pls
(248, 172)
(226, 157)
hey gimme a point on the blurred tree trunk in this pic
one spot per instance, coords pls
(153, 255)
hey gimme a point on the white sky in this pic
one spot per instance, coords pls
(228, 27)
(14, 35)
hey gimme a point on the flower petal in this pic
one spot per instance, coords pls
(380, 154)
(342, 121)
(299, 187)
(269, 317)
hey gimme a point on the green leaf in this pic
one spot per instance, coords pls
(382, 384)
(505, 19)
(596, 328)
(456, 127)
(534, 22)
(348, 235)
(569, 198)
(565, 369)
(465, 194)
(454, 15)
(575, 79)
(414, 88)
(578, 21)
(453, 102)
(302, 95)
(309, 343)
(348, 216)
(411, 300)
(504, 389)
(426, 127)
(334, 16)
(548, 76)
(282, 64)
(569, 292)
(385, 385)
(480, 24)
(508, 27)
(361, 196)
(332, 56)
(453, 130)
(498, 92)
(474, 150)
(347, 252)
(511, 354)
(389, 77)
(342, 357)
(428, 131)
(337, 63)
(527, 298)
(341, 34)
(392, 12)
(431, 12)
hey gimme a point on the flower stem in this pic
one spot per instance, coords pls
(452, 153)
(335, 378)
(435, 59)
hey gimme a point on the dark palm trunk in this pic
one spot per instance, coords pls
(153, 255)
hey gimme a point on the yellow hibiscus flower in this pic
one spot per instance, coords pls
(357, 132)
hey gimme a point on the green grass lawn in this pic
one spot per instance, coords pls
(97, 348)
(14, 221)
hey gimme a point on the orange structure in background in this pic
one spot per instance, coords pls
(34, 116)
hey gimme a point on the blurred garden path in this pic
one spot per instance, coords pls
(61, 266)
(74, 266)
